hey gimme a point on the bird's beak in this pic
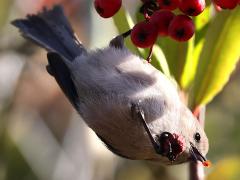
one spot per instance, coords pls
(197, 156)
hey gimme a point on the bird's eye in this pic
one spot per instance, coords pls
(197, 137)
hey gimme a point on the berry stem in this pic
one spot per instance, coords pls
(150, 54)
(146, 16)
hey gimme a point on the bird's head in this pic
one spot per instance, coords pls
(187, 141)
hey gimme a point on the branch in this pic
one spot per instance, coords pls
(196, 170)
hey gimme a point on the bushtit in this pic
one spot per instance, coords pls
(131, 106)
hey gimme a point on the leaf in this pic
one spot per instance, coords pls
(159, 61)
(175, 53)
(218, 58)
(123, 23)
(4, 10)
(195, 48)
(189, 67)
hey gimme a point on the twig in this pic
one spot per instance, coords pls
(196, 170)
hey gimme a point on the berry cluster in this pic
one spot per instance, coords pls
(160, 20)
(158, 15)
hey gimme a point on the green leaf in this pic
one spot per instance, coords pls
(123, 23)
(194, 49)
(218, 58)
(188, 66)
(175, 53)
(159, 60)
(4, 10)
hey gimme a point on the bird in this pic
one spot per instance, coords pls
(133, 108)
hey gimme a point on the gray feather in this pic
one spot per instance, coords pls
(51, 30)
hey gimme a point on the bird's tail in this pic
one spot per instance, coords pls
(51, 30)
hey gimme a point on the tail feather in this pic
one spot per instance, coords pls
(51, 30)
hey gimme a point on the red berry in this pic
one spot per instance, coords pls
(168, 4)
(192, 7)
(226, 4)
(107, 8)
(162, 19)
(144, 34)
(181, 28)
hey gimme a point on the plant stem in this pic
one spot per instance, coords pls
(196, 170)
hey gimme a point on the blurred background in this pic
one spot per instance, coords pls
(42, 137)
